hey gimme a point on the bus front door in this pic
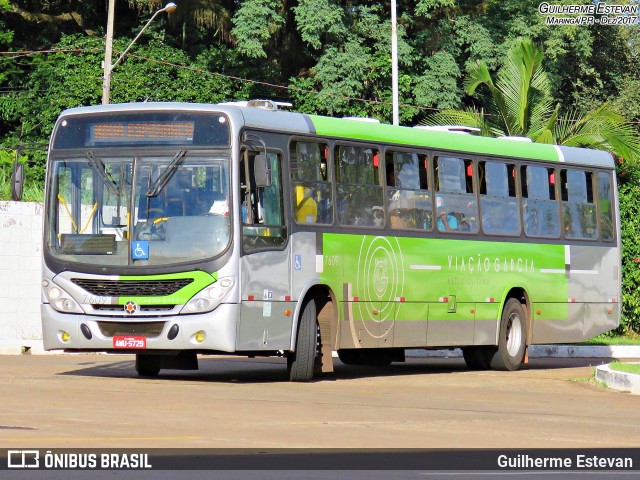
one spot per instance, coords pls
(265, 262)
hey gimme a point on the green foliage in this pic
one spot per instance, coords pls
(426, 8)
(57, 82)
(628, 102)
(602, 128)
(629, 191)
(611, 338)
(6, 37)
(625, 367)
(438, 85)
(255, 22)
(317, 19)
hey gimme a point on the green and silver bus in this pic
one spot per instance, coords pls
(176, 229)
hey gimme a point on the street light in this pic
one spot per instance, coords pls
(108, 51)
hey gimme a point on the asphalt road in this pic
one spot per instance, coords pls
(97, 401)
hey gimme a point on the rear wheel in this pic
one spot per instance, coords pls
(512, 339)
(300, 364)
(148, 365)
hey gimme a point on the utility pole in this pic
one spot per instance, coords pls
(394, 65)
(108, 53)
(108, 49)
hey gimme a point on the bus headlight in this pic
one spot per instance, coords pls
(210, 297)
(54, 293)
(62, 301)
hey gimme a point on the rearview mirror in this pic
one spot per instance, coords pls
(17, 181)
(262, 171)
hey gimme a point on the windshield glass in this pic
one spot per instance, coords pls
(138, 211)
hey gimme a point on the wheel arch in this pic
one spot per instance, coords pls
(326, 308)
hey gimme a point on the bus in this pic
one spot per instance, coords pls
(174, 230)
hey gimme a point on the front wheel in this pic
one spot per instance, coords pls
(512, 341)
(300, 364)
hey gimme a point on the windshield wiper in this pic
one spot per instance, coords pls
(99, 167)
(164, 178)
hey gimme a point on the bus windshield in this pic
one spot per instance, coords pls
(143, 210)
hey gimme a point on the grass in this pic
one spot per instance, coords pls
(625, 367)
(613, 340)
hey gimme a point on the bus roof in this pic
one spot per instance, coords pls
(298, 123)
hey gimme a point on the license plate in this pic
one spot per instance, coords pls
(129, 342)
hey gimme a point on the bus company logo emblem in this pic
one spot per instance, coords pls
(380, 278)
(130, 307)
(23, 458)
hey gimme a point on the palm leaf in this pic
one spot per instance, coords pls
(478, 74)
(545, 133)
(525, 88)
(602, 129)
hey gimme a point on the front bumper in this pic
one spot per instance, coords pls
(219, 327)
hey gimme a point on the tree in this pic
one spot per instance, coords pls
(6, 36)
(521, 105)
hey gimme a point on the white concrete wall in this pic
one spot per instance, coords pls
(20, 276)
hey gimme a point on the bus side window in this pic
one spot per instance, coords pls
(605, 207)
(456, 204)
(409, 202)
(311, 193)
(578, 207)
(262, 210)
(359, 192)
(498, 202)
(539, 204)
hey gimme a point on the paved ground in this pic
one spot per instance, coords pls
(85, 401)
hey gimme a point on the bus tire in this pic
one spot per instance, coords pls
(148, 365)
(300, 364)
(512, 338)
(478, 357)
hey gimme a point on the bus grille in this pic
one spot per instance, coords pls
(145, 329)
(124, 288)
(142, 308)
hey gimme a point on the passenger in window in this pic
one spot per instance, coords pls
(453, 222)
(378, 217)
(447, 222)
(306, 206)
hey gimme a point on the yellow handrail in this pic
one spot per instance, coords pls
(66, 207)
(93, 210)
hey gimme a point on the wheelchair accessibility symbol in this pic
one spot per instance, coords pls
(140, 250)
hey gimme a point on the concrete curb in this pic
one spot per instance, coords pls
(616, 380)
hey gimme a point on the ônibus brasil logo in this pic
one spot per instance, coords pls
(130, 307)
